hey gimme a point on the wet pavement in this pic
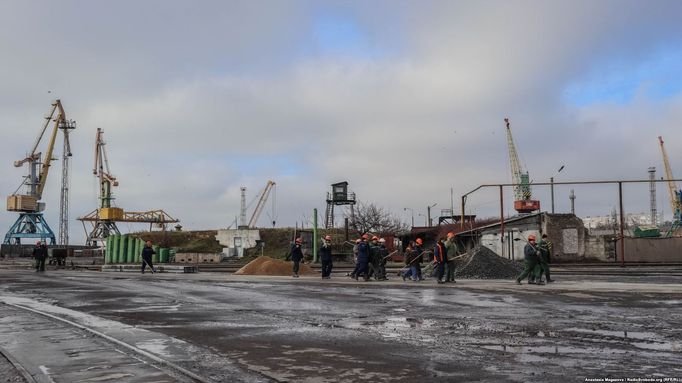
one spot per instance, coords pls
(238, 328)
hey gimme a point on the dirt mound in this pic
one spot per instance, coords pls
(271, 266)
(483, 263)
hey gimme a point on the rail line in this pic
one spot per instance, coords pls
(158, 362)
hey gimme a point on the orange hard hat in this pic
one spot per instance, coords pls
(419, 241)
(531, 237)
(451, 234)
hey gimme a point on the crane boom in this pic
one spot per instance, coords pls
(522, 193)
(516, 169)
(261, 203)
(59, 120)
(673, 190)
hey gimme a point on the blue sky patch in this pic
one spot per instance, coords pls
(657, 78)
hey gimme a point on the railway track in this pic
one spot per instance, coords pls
(135, 355)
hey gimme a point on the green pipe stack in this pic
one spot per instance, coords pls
(128, 249)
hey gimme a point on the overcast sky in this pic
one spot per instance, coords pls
(403, 99)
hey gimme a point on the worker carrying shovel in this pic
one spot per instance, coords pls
(147, 253)
(531, 257)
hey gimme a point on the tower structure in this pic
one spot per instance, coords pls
(652, 194)
(339, 197)
(64, 197)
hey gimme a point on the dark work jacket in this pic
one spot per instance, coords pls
(40, 251)
(418, 254)
(326, 253)
(363, 252)
(383, 252)
(296, 253)
(529, 253)
(147, 252)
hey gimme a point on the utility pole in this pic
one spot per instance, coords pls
(652, 194)
(428, 213)
(572, 198)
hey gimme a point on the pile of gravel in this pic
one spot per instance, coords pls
(483, 263)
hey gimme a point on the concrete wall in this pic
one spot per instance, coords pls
(600, 248)
(567, 234)
(512, 249)
(236, 240)
(652, 250)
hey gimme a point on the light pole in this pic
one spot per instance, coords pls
(551, 185)
(425, 219)
(411, 211)
(428, 213)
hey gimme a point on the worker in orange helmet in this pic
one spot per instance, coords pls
(296, 255)
(326, 257)
(361, 267)
(452, 252)
(531, 255)
(417, 261)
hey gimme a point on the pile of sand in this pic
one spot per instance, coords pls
(483, 263)
(271, 266)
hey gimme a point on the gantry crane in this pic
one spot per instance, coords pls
(522, 193)
(104, 218)
(262, 199)
(31, 223)
(674, 192)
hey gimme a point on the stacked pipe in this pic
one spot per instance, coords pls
(128, 249)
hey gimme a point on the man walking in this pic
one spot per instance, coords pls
(452, 251)
(417, 260)
(440, 256)
(545, 247)
(296, 255)
(383, 258)
(361, 267)
(531, 254)
(147, 253)
(326, 257)
(40, 254)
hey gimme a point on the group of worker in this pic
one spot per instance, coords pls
(537, 256)
(442, 259)
(371, 256)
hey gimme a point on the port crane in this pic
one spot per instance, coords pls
(105, 225)
(104, 218)
(31, 223)
(522, 191)
(674, 191)
(262, 200)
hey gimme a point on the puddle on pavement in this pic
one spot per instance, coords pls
(639, 339)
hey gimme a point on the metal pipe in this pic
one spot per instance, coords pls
(315, 235)
(551, 182)
(622, 236)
